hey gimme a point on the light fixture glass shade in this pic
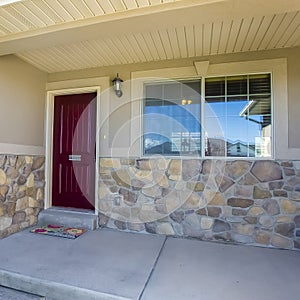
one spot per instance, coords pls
(117, 83)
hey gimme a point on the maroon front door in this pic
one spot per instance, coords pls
(74, 134)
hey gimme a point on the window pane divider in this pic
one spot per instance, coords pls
(202, 114)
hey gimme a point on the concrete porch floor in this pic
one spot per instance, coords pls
(107, 264)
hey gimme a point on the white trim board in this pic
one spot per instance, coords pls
(16, 149)
(64, 88)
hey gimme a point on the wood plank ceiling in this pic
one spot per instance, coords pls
(31, 14)
(167, 41)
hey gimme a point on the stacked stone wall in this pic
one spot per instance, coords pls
(240, 201)
(22, 181)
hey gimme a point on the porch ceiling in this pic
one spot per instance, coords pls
(63, 35)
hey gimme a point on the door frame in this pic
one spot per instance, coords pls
(49, 138)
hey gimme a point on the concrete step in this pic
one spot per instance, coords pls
(69, 217)
(11, 294)
(51, 290)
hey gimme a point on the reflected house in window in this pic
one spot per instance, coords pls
(240, 149)
(262, 108)
(186, 142)
(157, 144)
(215, 147)
(233, 148)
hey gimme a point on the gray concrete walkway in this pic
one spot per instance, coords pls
(107, 264)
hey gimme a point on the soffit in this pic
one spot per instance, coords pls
(31, 17)
(63, 35)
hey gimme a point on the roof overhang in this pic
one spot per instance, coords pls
(225, 26)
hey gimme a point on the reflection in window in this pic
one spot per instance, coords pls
(172, 118)
(238, 116)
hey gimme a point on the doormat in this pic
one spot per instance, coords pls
(59, 231)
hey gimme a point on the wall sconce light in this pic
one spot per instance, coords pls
(117, 82)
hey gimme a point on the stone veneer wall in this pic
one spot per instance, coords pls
(241, 201)
(22, 180)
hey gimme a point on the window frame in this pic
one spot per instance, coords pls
(201, 70)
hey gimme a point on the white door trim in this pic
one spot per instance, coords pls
(49, 137)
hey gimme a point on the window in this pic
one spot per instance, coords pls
(236, 117)
(171, 120)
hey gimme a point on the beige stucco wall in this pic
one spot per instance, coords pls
(294, 97)
(121, 110)
(22, 98)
